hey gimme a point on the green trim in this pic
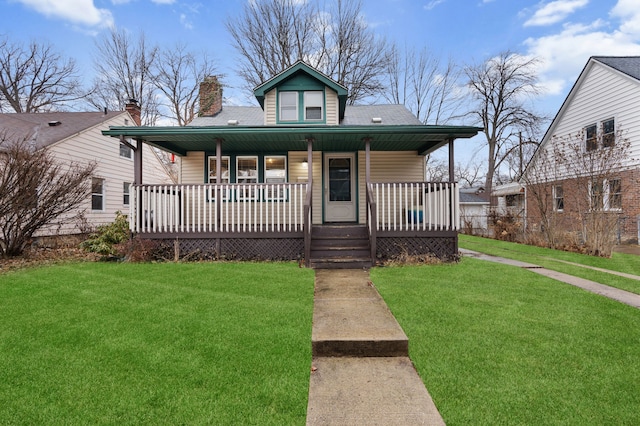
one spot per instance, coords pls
(291, 137)
(294, 71)
(300, 107)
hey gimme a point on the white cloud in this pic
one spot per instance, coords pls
(184, 20)
(163, 1)
(79, 12)
(555, 11)
(564, 54)
(629, 13)
(433, 3)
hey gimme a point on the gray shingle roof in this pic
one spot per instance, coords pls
(36, 125)
(355, 115)
(246, 116)
(629, 65)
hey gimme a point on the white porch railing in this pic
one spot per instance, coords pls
(416, 206)
(217, 208)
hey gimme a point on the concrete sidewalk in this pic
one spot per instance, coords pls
(361, 374)
(621, 296)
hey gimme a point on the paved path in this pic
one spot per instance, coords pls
(361, 373)
(622, 296)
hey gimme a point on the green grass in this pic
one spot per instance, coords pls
(556, 260)
(210, 343)
(497, 344)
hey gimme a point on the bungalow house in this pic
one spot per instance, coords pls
(600, 114)
(76, 137)
(301, 176)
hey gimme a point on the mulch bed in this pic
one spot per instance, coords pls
(40, 256)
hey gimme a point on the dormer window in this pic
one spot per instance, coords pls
(312, 102)
(312, 106)
(288, 106)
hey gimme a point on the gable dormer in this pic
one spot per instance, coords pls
(301, 95)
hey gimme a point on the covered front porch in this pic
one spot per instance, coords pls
(265, 220)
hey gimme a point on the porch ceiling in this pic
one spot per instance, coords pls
(180, 140)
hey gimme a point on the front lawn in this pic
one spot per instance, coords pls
(209, 343)
(497, 344)
(563, 261)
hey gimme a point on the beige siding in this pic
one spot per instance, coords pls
(192, 167)
(331, 103)
(270, 108)
(388, 166)
(91, 146)
(297, 173)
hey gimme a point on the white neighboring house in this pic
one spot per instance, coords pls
(604, 100)
(509, 199)
(76, 137)
(474, 208)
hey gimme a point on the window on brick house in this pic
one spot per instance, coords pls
(558, 198)
(615, 194)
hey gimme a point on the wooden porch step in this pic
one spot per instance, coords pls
(340, 247)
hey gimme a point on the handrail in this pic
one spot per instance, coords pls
(307, 226)
(372, 221)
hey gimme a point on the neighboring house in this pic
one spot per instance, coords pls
(76, 137)
(268, 181)
(510, 199)
(474, 209)
(603, 108)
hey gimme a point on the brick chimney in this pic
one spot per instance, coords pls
(210, 96)
(133, 108)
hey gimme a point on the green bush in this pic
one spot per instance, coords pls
(105, 240)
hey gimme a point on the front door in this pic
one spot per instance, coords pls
(339, 187)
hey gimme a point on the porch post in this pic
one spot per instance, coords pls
(309, 160)
(137, 163)
(451, 163)
(218, 191)
(451, 180)
(367, 161)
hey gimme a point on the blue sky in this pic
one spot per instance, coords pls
(562, 33)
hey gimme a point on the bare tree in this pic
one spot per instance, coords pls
(579, 189)
(35, 191)
(177, 74)
(502, 88)
(35, 78)
(124, 71)
(272, 35)
(428, 88)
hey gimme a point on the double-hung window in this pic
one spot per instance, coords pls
(558, 198)
(288, 106)
(614, 196)
(126, 192)
(592, 137)
(608, 133)
(97, 194)
(313, 106)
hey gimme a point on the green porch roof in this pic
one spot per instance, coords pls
(180, 140)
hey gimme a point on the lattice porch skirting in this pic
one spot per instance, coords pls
(235, 248)
(444, 248)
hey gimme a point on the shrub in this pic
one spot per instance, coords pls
(107, 237)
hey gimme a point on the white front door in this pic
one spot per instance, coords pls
(339, 187)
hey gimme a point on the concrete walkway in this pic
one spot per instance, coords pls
(621, 296)
(361, 373)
